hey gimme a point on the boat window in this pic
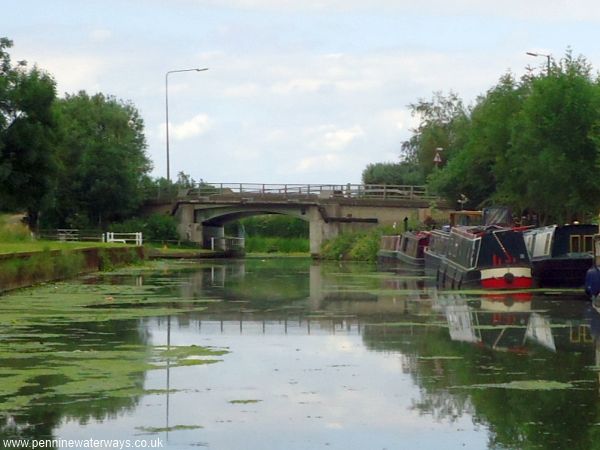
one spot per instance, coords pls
(547, 243)
(575, 243)
(529, 242)
(588, 243)
(538, 242)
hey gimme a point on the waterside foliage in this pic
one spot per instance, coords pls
(356, 246)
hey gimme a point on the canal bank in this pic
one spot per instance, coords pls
(22, 269)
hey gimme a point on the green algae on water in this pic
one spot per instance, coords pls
(524, 385)
(168, 429)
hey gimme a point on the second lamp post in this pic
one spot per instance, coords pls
(167, 109)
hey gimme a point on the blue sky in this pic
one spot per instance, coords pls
(297, 91)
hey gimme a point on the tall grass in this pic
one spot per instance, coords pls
(262, 244)
(13, 231)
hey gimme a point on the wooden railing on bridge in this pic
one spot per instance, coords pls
(363, 191)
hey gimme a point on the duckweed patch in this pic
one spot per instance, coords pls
(525, 385)
(69, 342)
(168, 429)
(244, 402)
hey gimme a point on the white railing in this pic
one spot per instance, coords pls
(123, 238)
(227, 243)
(375, 191)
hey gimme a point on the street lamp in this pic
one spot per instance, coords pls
(167, 109)
(540, 54)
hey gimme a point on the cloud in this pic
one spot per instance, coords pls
(100, 35)
(73, 72)
(312, 162)
(241, 90)
(298, 85)
(558, 10)
(196, 126)
(334, 138)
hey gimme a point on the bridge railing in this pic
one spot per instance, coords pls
(373, 191)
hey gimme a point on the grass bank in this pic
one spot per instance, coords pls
(25, 268)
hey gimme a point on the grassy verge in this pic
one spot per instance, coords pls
(40, 246)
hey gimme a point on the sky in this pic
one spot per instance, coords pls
(306, 91)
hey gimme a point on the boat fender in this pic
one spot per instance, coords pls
(592, 282)
(509, 278)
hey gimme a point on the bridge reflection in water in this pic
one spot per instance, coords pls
(321, 301)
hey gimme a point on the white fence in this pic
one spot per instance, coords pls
(124, 238)
(227, 243)
(76, 235)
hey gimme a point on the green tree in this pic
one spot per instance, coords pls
(442, 121)
(27, 136)
(487, 139)
(103, 163)
(552, 163)
(404, 172)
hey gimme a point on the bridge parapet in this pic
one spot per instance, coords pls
(308, 191)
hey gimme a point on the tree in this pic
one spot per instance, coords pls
(442, 121)
(28, 133)
(487, 139)
(552, 163)
(103, 163)
(393, 173)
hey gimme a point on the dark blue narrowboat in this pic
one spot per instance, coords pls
(488, 257)
(561, 254)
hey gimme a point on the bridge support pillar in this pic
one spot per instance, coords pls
(186, 228)
(209, 232)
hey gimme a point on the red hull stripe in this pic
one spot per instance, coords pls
(501, 283)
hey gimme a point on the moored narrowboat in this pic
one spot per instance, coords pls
(436, 251)
(561, 254)
(488, 257)
(406, 248)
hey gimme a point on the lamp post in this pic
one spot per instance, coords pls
(541, 54)
(167, 109)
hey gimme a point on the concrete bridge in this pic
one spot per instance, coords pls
(330, 210)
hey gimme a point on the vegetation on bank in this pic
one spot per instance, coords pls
(25, 260)
(356, 246)
(272, 234)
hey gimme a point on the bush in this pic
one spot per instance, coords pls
(157, 227)
(357, 246)
(274, 225)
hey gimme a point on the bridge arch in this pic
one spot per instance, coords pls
(227, 215)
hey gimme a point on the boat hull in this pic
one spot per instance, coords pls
(493, 278)
(561, 272)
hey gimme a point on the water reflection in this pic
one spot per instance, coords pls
(344, 356)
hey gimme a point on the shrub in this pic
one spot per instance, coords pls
(157, 227)
(357, 246)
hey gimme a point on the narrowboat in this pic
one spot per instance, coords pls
(411, 248)
(488, 257)
(436, 251)
(561, 254)
(406, 248)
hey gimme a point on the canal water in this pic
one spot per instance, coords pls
(294, 354)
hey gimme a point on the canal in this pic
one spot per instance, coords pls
(295, 354)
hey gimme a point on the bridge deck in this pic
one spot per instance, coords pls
(308, 191)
